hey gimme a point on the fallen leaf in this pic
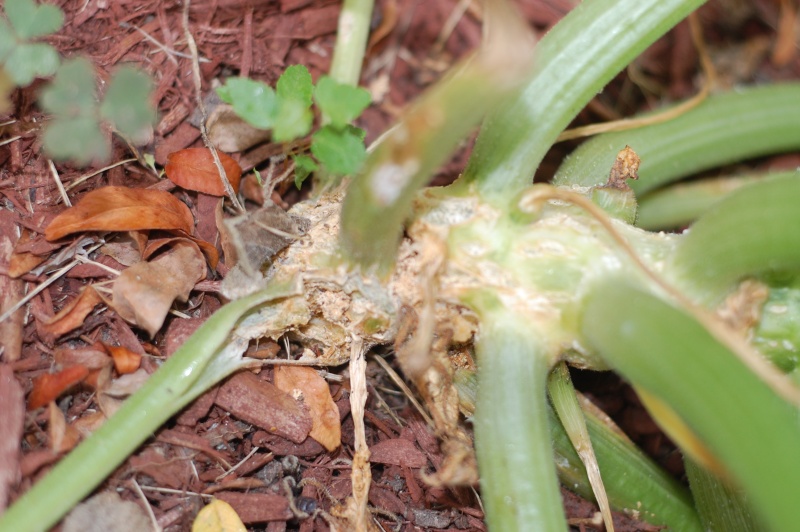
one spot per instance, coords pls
(71, 316)
(62, 437)
(107, 511)
(300, 380)
(122, 209)
(125, 360)
(208, 249)
(218, 516)
(50, 386)
(143, 294)
(92, 357)
(229, 132)
(194, 169)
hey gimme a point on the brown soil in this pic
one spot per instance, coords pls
(184, 461)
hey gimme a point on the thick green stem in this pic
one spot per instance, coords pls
(351, 41)
(743, 423)
(380, 199)
(573, 63)
(515, 458)
(168, 390)
(720, 505)
(750, 231)
(680, 204)
(725, 128)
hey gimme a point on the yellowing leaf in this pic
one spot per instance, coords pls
(143, 294)
(326, 427)
(122, 209)
(194, 169)
(218, 516)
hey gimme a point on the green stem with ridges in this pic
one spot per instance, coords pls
(744, 234)
(351, 41)
(720, 505)
(680, 204)
(743, 422)
(576, 58)
(518, 478)
(724, 128)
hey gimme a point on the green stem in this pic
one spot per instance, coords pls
(351, 41)
(680, 204)
(164, 394)
(720, 505)
(573, 63)
(634, 482)
(748, 232)
(515, 458)
(744, 424)
(724, 128)
(379, 200)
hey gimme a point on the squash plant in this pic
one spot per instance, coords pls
(537, 275)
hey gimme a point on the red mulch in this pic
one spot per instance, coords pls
(188, 459)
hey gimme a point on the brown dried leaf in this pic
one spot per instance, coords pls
(72, 315)
(143, 294)
(194, 169)
(122, 209)
(125, 360)
(300, 380)
(63, 437)
(50, 386)
(92, 357)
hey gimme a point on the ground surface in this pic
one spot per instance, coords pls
(410, 49)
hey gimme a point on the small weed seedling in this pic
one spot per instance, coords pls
(337, 147)
(75, 129)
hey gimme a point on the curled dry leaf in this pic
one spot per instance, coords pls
(71, 316)
(125, 360)
(50, 386)
(143, 294)
(122, 209)
(63, 437)
(194, 169)
(325, 424)
(207, 248)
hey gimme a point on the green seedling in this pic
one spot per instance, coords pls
(75, 130)
(337, 147)
(22, 58)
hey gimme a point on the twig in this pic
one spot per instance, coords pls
(198, 88)
(83, 178)
(147, 506)
(169, 51)
(404, 387)
(59, 184)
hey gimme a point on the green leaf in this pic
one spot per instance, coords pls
(127, 104)
(296, 83)
(304, 166)
(29, 61)
(254, 101)
(72, 92)
(340, 103)
(78, 139)
(292, 120)
(31, 21)
(340, 151)
(7, 40)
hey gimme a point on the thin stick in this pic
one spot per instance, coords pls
(59, 184)
(9, 141)
(404, 388)
(150, 514)
(83, 178)
(234, 468)
(198, 93)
